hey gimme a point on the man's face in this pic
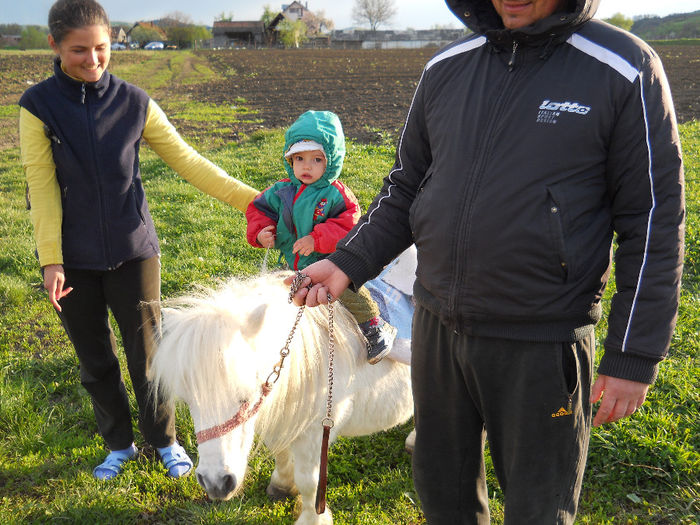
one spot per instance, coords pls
(521, 13)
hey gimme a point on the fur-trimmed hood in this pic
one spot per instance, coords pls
(481, 17)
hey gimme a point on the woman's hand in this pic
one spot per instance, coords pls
(54, 280)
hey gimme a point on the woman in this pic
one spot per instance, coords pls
(80, 132)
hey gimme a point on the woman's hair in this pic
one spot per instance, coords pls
(66, 15)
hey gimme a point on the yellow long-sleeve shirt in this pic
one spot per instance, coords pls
(159, 133)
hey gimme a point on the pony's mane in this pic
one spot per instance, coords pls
(220, 345)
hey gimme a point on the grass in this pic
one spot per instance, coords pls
(640, 470)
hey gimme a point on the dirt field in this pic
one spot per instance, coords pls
(370, 90)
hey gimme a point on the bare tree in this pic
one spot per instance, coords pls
(317, 23)
(374, 12)
(176, 18)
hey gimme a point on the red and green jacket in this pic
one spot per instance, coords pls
(326, 209)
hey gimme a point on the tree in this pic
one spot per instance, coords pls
(10, 29)
(374, 12)
(186, 36)
(176, 18)
(268, 15)
(317, 23)
(620, 20)
(34, 37)
(143, 35)
(223, 17)
(292, 34)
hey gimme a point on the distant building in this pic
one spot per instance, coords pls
(295, 11)
(250, 33)
(10, 40)
(390, 39)
(118, 34)
(153, 26)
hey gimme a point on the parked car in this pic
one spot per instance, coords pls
(154, 45)
(118, 46)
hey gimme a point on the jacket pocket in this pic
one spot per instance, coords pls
(557, 235)
(570, 372)
(135, 200)
(420, 195)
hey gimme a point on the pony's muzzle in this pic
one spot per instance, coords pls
(221, 488)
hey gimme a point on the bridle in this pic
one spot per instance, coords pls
(245, 413)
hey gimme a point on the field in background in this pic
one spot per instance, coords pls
(232, 106)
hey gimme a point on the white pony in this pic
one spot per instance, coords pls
(219, 348)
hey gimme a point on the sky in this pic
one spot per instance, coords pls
(417, 14)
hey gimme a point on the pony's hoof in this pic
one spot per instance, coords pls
(410, 442)
(276, 493)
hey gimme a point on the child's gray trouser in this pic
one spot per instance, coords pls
(514, 393)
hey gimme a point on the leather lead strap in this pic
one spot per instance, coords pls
(323, 473)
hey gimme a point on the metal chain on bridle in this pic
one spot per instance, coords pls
(327, 421)
(245, 412)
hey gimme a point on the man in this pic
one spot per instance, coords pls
(526, 147)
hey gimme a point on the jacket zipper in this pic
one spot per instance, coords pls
(511, 62)
(98, 182)
(463, 230)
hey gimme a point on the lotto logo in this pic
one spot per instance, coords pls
(570, 107)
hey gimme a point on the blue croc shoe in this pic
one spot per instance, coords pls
(114, 462)
(175, 460)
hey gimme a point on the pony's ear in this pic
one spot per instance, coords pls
(254, 322)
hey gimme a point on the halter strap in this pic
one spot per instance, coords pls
(238, 419)
(243, 413)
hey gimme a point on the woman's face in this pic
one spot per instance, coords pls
(84, 52)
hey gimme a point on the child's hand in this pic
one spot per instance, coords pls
(266, 237)
(304, 246)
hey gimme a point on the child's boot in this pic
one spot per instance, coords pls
(380, 336)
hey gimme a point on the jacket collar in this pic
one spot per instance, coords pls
(481, 17)
(76, 89)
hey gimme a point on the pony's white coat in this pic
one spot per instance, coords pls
(219, 347)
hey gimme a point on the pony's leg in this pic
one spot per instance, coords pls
(281, 484)
(306, 453)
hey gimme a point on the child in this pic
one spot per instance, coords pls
(80, 132)
(306, 214)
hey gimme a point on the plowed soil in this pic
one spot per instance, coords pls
(370, 90)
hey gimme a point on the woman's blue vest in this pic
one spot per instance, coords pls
(95, 131)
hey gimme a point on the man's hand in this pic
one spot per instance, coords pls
(325, 277)
(304, 246)
(54, 280)
(621, 397)
(266, 236)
